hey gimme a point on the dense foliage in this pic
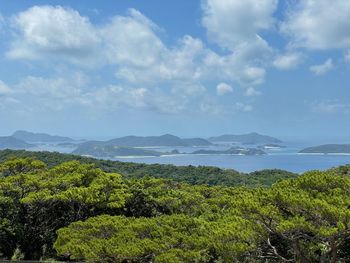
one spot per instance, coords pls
(74, 211)
(189, 174)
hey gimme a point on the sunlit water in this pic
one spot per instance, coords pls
(284, 158)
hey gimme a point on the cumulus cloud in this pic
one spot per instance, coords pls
(236, 26)
(330, 107)
(7, 98)
(47, 31)
(59, 88)
(4, 89)
(323, 68)
(287, 61)
(244, 107)
(223, 88)
(131, 40)
(347, 56)
(231, 23)
(150, 74)
(318, 24)
(252, 92)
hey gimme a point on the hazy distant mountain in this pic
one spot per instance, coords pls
(250, 138)
(233, 150)
(197, 142)
(149, 141)
(328, 148)
(10, 142)
(39, 137)
(138, 141)
(113, 151)
(125, 146)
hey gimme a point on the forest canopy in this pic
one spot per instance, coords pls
(76, 211)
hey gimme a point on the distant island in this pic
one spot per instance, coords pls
(111, 151)
(250, 138)
(233, 150)
(31, 137)
(114, 151)
(141, 145)
(166, 140)
(163, 140)
(328, 148)
(10, 142)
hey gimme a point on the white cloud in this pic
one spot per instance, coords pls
(4, 89)
(254, 75)
(318, 24)
(252, 92)
(347, 56)
(150, 74)
(7, 99)
(244, 107)
(47, 31)
(58, 88)
(330, 107)
(114, 97)
(233, 22)
(287, 61)
(125, 46)
(323, 68)
(236, 26)
(180, 63)
(223, 88)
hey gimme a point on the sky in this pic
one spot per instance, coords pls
(89, 68)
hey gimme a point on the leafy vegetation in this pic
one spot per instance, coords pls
(113, 151)
(75, 211)
(189, 174)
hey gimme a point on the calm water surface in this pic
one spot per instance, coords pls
(285, 158)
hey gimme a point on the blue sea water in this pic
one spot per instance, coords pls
(284, 158)
(291, 162)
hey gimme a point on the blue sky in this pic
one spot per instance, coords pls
(190, 68)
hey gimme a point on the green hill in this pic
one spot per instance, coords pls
(250, 138)
(328, 148)
(10, 142)
(113, 151)
(39, 137)
(233, 150)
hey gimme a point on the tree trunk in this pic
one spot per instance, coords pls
(334, 251)
(298, 254)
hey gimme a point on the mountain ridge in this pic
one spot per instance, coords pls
(9, 142)
(248, 138)
(327, 148)
(39, 137)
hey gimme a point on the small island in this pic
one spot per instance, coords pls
(233, 151)
(112, 151)
(9, 142)
(249, 138)
(115, 151)
(328, 149)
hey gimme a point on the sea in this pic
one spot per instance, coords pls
(286, 158)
